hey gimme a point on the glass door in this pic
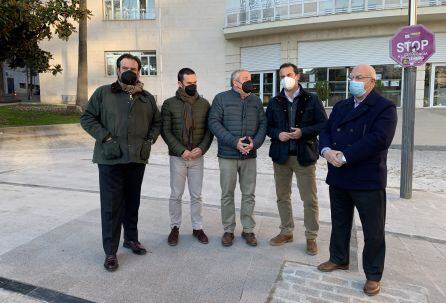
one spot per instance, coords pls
(265, 85)
(438, 86)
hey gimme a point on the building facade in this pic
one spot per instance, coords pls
(16, 82)
(325, 38)
(167, 35)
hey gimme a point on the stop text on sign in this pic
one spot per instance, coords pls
(410, 46)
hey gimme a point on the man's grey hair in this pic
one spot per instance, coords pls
(235, 75)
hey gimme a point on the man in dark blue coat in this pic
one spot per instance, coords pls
(355, 142)
(295, 118)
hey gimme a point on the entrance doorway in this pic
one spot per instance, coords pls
(10, 82)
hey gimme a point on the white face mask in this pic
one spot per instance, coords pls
(288, 83)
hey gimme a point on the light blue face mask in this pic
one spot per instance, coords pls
(356, 88)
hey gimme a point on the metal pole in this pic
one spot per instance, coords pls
(410, 78)
(413, 12)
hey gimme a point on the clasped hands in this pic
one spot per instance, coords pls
(244, 147)
(334, 157)
(192, 154)
(295, 134)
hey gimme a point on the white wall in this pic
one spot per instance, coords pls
(184, 33)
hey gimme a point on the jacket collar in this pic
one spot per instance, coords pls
(303, 95)
(116, 89)
(236, 94)
(361, 109)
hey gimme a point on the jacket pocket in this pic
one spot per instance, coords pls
(111, 149)
(309, 150)
(145, 150)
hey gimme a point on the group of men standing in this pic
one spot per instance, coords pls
(125, 121)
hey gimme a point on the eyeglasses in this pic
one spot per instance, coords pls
(358, 78)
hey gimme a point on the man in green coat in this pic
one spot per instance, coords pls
(186, 133)
(125, 121)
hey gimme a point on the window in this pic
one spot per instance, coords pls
(331, 84)
(265, 85)
(337, 84)
(148, 62)
(129, 9)
(315, 80)
(435, 85)
(389, 82)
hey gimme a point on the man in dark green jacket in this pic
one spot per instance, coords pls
(125, 121)
(186, 133)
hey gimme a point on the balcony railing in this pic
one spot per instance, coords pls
(261, 12)
(129, 14)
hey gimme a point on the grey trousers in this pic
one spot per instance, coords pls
(180, 170)
(247, 172)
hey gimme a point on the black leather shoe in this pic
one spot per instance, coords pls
(173, 236)
(135, 246)
(200, 235)
(111, 263)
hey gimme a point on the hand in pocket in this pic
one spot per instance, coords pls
(111, 149)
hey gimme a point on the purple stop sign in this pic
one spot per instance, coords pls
(412, 45)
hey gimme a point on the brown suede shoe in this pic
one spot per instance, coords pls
(281, 239)
(250, 238)
(330, 266)
(173, 236)
(371, 288)
(227, 239)
(311, 247)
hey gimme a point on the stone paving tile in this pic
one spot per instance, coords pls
(302, 283)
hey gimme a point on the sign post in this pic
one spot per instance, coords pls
(412, 46)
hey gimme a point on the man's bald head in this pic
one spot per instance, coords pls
(366, 74)
(364, 70)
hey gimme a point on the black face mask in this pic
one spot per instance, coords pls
(191, 89)
(248, 87)
(129, 77)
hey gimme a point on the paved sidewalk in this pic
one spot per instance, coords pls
(13, 297)
(304, 283)
(49, 209)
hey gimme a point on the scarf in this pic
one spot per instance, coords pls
(188, 129)
(132, 89)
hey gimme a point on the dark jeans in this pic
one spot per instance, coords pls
(120, 188)
(371, 206)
